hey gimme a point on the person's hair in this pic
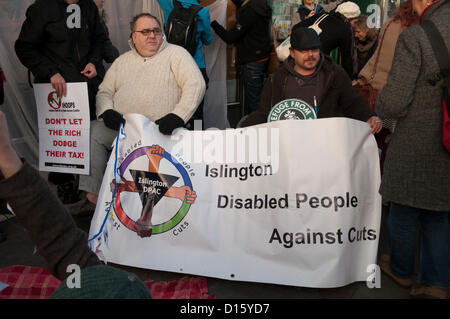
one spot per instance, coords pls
(361, 22)
(135, 18)
(406, 14)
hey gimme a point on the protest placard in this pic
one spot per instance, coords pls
(63, 128)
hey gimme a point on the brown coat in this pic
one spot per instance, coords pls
(377, 77)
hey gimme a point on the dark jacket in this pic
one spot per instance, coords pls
(336, 33)
(417, 166)
(338, 97)
(46, 45)
(251, 33)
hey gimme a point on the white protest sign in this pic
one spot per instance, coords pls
(63, 128)
(301, 207)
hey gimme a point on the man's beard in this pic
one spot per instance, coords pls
(309, 68)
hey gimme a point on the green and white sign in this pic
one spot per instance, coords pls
(291, 109)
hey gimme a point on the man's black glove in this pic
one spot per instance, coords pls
(112, 119)
(168, 123)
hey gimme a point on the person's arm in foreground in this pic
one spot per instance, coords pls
(48, 224)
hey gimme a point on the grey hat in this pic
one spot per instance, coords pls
(304, 39)
(104, 282)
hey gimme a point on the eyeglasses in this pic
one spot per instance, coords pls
(146, 32)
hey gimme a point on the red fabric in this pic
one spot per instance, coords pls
(2, 76)
(446, 126)
(27, 283)
(426, 9)
(185, 288)
(37, 283)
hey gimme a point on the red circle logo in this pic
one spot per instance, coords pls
(54, 101)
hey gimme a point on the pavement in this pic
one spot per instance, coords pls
(19, 250)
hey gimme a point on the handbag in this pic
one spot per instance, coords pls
(283, 49)
(443, 58)
(368, 93)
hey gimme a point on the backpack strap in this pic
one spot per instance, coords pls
(318, 21)
(439, 48)
(441, 54)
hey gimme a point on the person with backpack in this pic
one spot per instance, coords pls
(416, 178)
(187, 24)
(335, 31)
(252, 36)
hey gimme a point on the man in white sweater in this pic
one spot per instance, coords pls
(156, 79)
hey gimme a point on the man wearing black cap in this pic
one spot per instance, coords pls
(310, 76)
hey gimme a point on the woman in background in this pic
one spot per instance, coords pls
(375, 73)
(376, 70)
(366, 40)
(307, 9)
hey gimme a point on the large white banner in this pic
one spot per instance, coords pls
(63, 128)
(289, 202)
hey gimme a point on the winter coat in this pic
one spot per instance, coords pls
(251, 33)
(336, 33)
(338, 98)
(46, 46)
(365, 49)
(204, 34)
(388, 35)
(417, 166)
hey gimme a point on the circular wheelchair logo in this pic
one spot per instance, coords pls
(291, 109)
(152, 186)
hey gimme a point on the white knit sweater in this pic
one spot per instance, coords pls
(168, 82)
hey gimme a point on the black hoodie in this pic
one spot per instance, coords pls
(251, 33)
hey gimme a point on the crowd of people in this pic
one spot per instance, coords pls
(167, 84)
